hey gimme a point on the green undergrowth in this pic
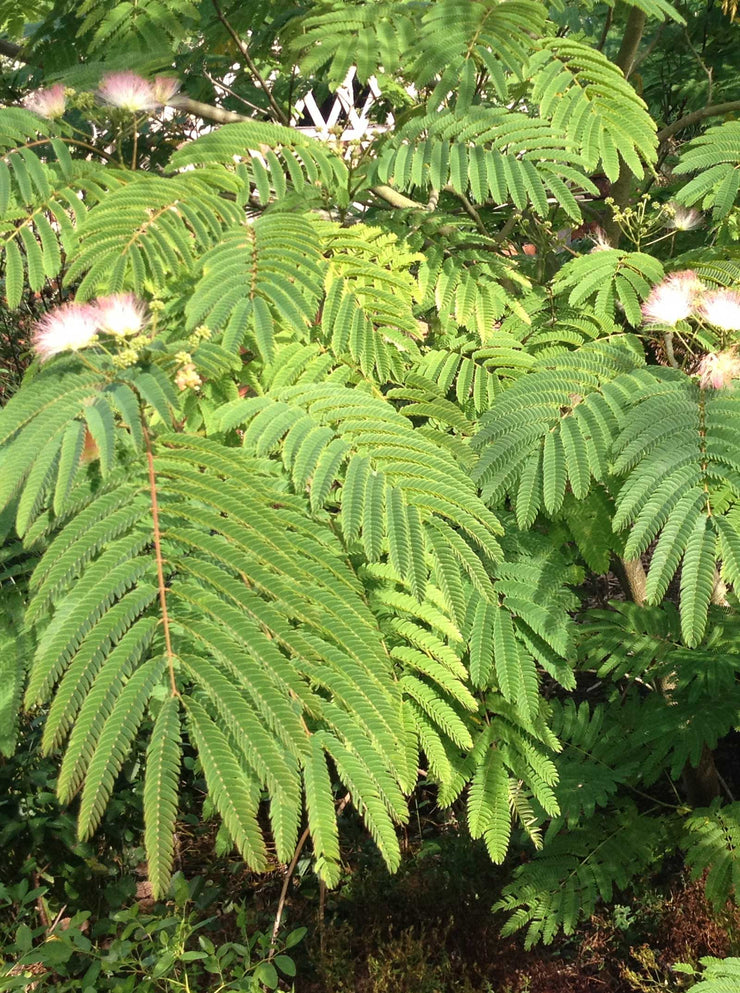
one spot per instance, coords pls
(90, 923)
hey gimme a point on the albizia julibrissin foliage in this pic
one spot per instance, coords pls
(325, 441)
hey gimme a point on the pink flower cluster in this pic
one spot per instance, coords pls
(49, 103)
(75, 325)
(132, 92)
(682, 295)
(719, 369)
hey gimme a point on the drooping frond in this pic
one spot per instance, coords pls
(718, 975)
(450, 37)
(593, 763)
(678, 452)
(146, 230)
(465, 288)
(611, 278)
(563, 884)
(152, 25)
(258, 279)
(272, 640)
(44, 196)
(660, 9)
(265, 158)
(458, 40)
(491, 154)
(161, 787)
(714, 156)
(585, 94)
(43, 429)
(393, 479)
(334, 36)
(555, 427)
(15, 650)
(711, 840)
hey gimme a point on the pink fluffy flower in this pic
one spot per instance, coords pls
(164, 88)
(718, 370)
(721, 308)
(600, 240)
(674, 299)
(49, 103)
(682, 218)
(65, 329)
(127, 90)
(120, 314)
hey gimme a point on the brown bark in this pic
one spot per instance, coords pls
(714, 110)
(620, 191)
(631, 40)
(701, 782)
(632, 578)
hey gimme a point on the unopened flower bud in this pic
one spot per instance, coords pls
(187, 377)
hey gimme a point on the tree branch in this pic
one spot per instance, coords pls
(605, 31)
(469, 210)
(632, 578)
(206, 110)
(396, 199)
(12, 51)
(220, 116)
(714, 110)
(625, 59)
(631, 40)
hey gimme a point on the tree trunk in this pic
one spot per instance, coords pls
(620, 191)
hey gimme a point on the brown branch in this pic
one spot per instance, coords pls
(206, 110)
(286, 882)
(220, 116)
(625, 59)
(648, 51)
(469, 210)
(12, 51)
(669, 352)
(244, 50)
(715, 110)
(284, 893)
(632, 578)
(232, 93)
(160, 561)
(631, 39)
(396, 199)
(607, 24)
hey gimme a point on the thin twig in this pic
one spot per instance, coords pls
(643, 55)
(232, 93)
(725, 787)
(322, 919)
(469, 210)
(134, 154)
(286, 882)
(284, 892)
(708, 71)
(244, 50)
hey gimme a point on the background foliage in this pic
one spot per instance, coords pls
(394, 403)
